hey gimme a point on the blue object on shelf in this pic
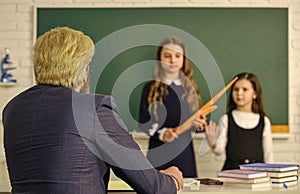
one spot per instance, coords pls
(5, 76)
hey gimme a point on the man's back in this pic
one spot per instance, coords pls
(60, 141)
(44, 148)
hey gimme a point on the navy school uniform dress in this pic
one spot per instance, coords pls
(243, 145)
(175, 110)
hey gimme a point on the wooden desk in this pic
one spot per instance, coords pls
(120, 187)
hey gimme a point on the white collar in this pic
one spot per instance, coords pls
(177, 82)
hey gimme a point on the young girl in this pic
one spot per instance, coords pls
(167, 102)
(245, 131)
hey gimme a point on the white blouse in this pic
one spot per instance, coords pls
(246, 120)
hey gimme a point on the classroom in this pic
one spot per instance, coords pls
(18, 32)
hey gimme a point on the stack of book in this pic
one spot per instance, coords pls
(282, 175)
(245, 179)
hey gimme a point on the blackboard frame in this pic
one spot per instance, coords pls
(281, 127)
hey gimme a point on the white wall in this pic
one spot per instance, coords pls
(16, 32)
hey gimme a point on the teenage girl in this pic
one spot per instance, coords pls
(167, 101)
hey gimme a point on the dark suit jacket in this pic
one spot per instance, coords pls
(59, 141)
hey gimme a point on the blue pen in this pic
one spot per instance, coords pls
(285, 186)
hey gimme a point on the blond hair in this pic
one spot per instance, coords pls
(61, 57)
(159, 89)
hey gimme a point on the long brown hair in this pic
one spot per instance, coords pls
(159, 89)
(257, 105)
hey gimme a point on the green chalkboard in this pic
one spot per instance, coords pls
(221, 42)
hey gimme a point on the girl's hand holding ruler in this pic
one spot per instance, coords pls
(204, 110)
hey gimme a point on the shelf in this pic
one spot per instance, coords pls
(8, 84)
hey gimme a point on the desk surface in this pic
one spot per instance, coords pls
(120, 187)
